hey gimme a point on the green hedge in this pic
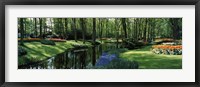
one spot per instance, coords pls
(21, 51)
(48, 42)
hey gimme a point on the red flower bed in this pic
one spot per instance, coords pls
(30, 39)
(57, 39)
(167, 47)
(38, 39)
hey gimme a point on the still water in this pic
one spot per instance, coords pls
(73, 59)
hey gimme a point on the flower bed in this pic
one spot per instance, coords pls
(39, 39)
(30, 39)
(167, 49)
(57, 39)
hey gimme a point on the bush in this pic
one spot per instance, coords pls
(95, 43)
(163, 40)
(132, 44)
(21, 51)
(48, 42)
(29, 39)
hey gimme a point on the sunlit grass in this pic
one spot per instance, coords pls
(149, 60)
(37, 52)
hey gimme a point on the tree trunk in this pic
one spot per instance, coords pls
(94, 31)
(74, 26)
(66, 27)
(149, 30)
(145, 29)
(175, 27)
(24, 20)
(83, 29)
(117, 32)
(124, 26)
(22, 30)
(136, 30)
(106, 28)
(40, 19)
(35, 27)
(101, 32)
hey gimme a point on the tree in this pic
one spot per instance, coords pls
(145, 30)
(176, 27)
(74, 27)
(117, 31)
(66, 27)
(22, 30)
(123, 20)
(35, 20)
(40, 19)
(94, 31)
(101, 28)
(83, 29)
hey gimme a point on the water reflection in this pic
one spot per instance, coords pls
(73, 59)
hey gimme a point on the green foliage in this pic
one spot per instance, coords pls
(132, 31)
(38, 52)
(79, 35)
(97, 42)
(149, 60)
(132, 44)
(21, 51)
(48, 42)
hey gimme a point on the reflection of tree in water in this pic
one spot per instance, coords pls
(74, 59)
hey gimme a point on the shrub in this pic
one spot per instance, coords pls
(21, 51)
(97, 42)
(48, 42)
(132, 44)
(163, 40)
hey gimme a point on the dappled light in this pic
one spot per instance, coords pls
(99, 43)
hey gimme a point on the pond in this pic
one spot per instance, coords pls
(82, 58)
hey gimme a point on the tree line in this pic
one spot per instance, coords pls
(146, 29)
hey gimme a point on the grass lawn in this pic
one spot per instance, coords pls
(37, 52)
(149, 60)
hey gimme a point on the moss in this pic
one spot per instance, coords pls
(149, 60)
(37, 52)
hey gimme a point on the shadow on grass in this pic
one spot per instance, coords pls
(38, 52)
(148, 60)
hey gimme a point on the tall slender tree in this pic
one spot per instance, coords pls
(123, 20)
(22, 30)
(66, 28)
(176, 27)
(83, 28)
(40, 19)
(145, 30)
(94, 31)
(74, 27)
(117, 32)
(35, 20)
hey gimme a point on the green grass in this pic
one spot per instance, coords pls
(37, 52)
(149, 60)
